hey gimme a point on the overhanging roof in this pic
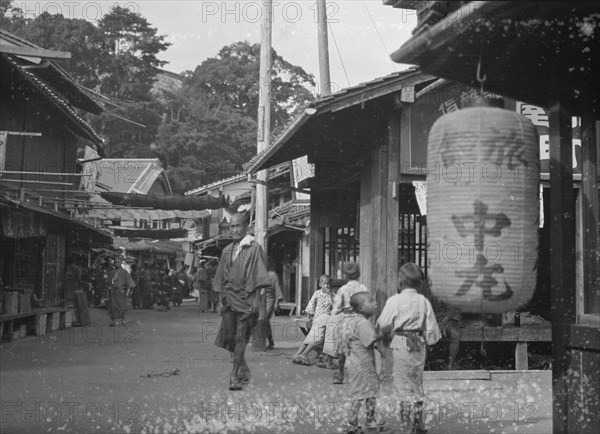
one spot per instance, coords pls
(353, 96)
(78, 229)
(58, 78)
(528, 50)
(77, 124)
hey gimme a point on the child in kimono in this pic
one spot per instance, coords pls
(409, 318)
(358, 337)
(318, 309)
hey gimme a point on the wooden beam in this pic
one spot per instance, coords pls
(562, 255)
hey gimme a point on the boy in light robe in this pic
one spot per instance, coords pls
(409, 318)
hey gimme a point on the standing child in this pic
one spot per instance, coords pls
(318, 309)
(409, 318)
(358, 337)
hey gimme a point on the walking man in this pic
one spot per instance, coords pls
(242, 273)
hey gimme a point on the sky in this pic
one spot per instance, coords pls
(366, 31)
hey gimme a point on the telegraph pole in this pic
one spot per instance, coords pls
(261, 224)
(323, 48)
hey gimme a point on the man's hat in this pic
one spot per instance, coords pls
(351, 270)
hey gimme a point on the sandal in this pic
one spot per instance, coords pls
(297, 360)
(234, 383)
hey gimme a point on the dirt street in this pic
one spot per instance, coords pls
(161, 373)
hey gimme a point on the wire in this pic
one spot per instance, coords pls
(339, 55)
(379, 35)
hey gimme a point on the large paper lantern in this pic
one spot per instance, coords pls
(483, 209)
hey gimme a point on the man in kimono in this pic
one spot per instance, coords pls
(241, 275)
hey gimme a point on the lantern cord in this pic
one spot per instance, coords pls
(480, 79)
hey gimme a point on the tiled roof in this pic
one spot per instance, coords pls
(289, 214)
(275, 171)
(122, 175)
(84, 129)
(226, 181)
(61, 81)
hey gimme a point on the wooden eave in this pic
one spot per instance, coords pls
(334, 126)
(32, 52)
(524, 48)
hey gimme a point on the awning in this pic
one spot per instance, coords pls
(527, 50)
(163, 202)
(127, 214)
(155, 234)
(154, 246)
(76, 229)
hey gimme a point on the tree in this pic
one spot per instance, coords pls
(130, 132)
(133, 46)
(233, 78)
(211, 122)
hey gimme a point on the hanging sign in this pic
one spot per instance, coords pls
(483, 209)
(540, 118)
(17, 224)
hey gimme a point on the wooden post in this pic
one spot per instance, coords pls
(590, 209)
(562, 256)
(323, 47)
(317, 237)
(261, 224)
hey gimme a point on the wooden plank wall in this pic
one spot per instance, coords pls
(379, 215)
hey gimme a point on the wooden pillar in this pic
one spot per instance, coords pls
(590, 191)
(379, 217)
(366, 235)
(393, 210)
(317, 239)
(562, 255)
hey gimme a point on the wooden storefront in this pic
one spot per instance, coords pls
(547, 54)
(40, 131)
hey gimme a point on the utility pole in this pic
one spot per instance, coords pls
(261, 224)
(323, 48)
(317, 233)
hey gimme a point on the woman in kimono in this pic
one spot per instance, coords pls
(136, 298)
(120, 283)
(409, 318)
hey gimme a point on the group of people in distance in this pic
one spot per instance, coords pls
(340, 324)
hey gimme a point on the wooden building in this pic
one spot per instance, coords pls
(40, 131)
(363, 206)
(547, 54)
(368, 144)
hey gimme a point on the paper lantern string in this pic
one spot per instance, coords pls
(480, 79)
